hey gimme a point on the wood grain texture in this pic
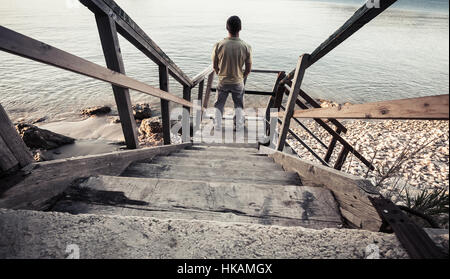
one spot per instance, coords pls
(352, 193)
(422, 108)
(32, 188)
(24, 46)
(165, 108)
(293, 95)
(311, 207)
(13, 141)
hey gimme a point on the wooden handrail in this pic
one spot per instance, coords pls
(422, 108)
(136, 36)
(18, 44)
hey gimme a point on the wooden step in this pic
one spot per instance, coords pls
(312, 207)
(218, 156)
(213, 163)
(222, 149)
(202, 173)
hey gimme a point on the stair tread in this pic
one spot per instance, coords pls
(231, 156)
(210, 174)
(220, 163)
(312, 207)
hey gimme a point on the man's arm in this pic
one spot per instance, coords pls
(215, 60)
(248, 69)
(248, 62)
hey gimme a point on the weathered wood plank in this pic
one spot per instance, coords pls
(165, 110)
(7, 159)
(13, 141)
(113, 56)
(422, 108)
(311, 207)
(351, 192)
(24, 46)
(32, 188)
(135, 35)
(293, 95)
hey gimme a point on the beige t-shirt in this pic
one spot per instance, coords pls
(231, 55)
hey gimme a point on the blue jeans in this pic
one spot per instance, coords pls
(237, 93)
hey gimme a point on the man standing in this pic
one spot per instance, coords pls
(229, 57)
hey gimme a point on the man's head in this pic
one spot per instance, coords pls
(234, 25)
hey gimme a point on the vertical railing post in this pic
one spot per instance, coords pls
(186, 120)
(341, 158)
(201, 87)
(165, 112)
(208, 90)
(332, 146)
(272, 101)
(302, 65)
(111, 49)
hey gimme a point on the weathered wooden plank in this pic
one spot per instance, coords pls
(204, 173)
(422, 108)
(311, 207)
(201, 88)
(135, 35)
(165, 111)
(32, 188)
(13, 141)
(24, 46)
(351, 192)
(293, 95)
(265, 71)
(113, 56)
(7, 159)
(271, 102)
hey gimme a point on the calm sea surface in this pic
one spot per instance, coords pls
(403, 53)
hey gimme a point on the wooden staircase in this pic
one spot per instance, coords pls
(211, 183)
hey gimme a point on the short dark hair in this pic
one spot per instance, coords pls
(234, 25)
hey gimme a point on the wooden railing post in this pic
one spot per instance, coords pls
(341, 158)
(273, 99)
(111, 49)
(332, 146)
(201, 87)
(165, 112)
(208, 90)
(186, 120)
(13, 151)
(293, 95)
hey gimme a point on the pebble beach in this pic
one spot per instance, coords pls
(382, 142)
